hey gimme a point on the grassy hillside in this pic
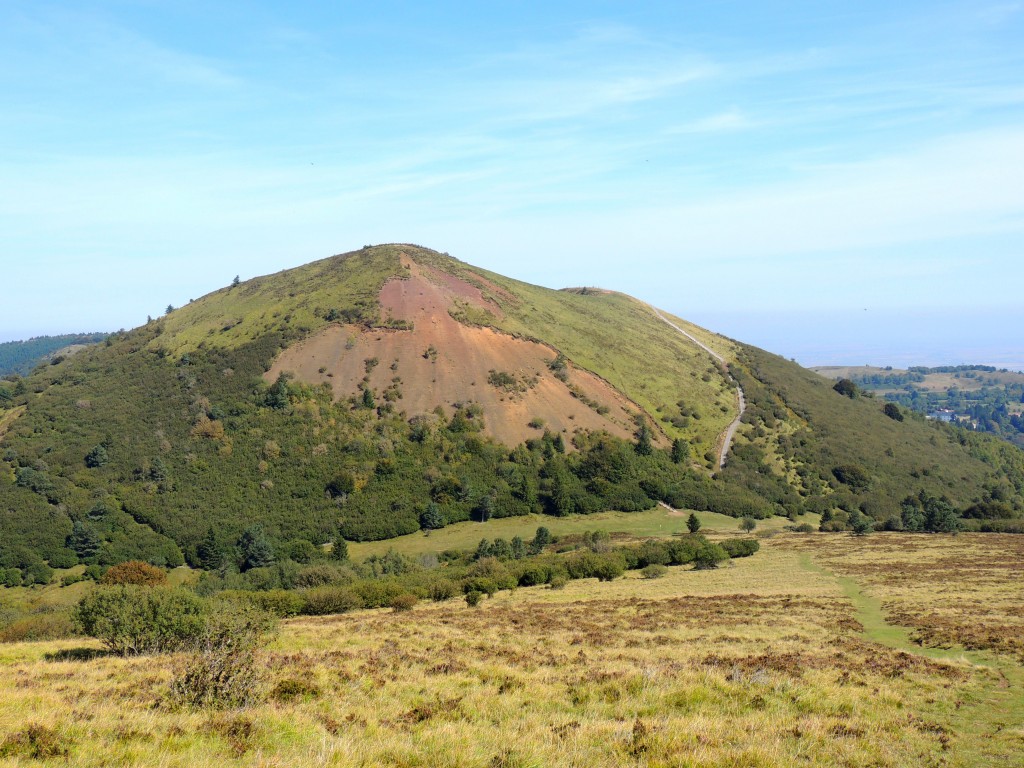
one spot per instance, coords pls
(160, 438)
(977, 397)
(20, 357)
(805, 431)
(624, 342)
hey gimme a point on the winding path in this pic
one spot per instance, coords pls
(727, 437)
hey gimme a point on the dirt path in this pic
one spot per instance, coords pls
(726, 438)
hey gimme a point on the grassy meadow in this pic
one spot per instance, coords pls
(658, 522)
(783, 658)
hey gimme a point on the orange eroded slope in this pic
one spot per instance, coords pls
(443, 362)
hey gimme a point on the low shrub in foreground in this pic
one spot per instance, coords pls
(134, 572)
(220, 671)
(131, 619)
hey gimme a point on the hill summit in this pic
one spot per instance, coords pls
(395, 388)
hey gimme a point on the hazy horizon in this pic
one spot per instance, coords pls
(715, 159)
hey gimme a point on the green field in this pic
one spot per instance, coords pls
(656, 522)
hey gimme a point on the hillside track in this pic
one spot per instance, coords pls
(725, 439)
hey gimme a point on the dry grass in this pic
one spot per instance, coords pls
(963, 590)
(758, 664)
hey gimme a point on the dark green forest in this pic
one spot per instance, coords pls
(20, 357)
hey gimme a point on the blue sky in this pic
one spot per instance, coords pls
(826, 182)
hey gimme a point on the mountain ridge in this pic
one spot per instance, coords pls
(218, 416)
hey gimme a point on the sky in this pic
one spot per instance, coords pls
(836, 182)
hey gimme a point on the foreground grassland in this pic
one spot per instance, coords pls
(761, 663)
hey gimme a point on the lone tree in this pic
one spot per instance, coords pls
(540, 540)
(255, 547)
(846, 388)
(680, 450)
(892, 411)
(748, 524)
(643, 445)
(209, 551)
(236, 281)
(432, 517)
(97, 457)
(340, 549)
(693, 523)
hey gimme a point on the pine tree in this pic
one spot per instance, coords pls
(209, 551)
(432, 517)
(693, 523)
(257, 551)
(540, 540)
(339, 551)
(680, 450)
(83, 540)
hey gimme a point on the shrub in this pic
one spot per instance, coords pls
(134, 572)
(221, 671)
(36, 742)
(403, 603)
(378, 593)
(442, 589)
(277, 602)
(38, 573)
(473, 598)
(319, 575)
(130, 619)
(559, 581)
(604, 567)
(654, 571)
(327, 600)
(741, 547)
(40, 626)
(709, 556)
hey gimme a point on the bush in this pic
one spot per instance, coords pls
(403, 603)
(741, 547)
(473, 598)
(559, 581)
(134, 572)
(36, 742)
(38, 573)
(327, 600)
(277, 602)
(604, 567)
(442, 589)
(222, 672)
(320, 575)
(131, 619)
(709, 556)
(40, 626)
(654, 571)
(378, 593)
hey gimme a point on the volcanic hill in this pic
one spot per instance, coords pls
(372, 393)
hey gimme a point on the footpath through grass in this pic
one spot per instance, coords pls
(990, 719)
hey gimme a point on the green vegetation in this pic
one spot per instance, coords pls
(807, 446)
(806, 652)
(20, 357)
(165, 444)
(979, 398)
